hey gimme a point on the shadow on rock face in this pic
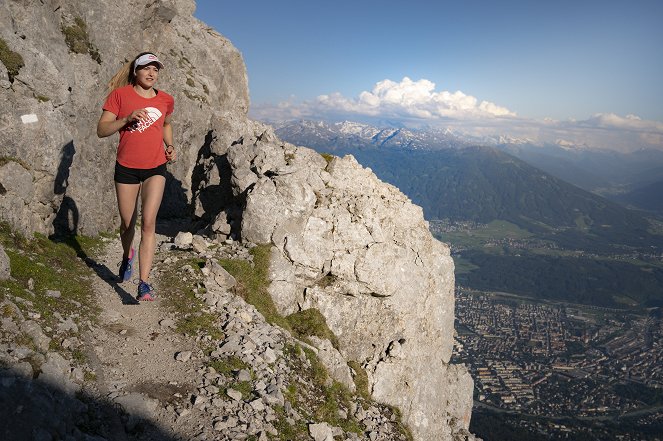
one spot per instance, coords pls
(31, 409)
(66, 218)
(66, 160)
(174, 203)
(211, 181)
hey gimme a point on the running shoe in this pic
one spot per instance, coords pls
(126, 267)
(145, 292)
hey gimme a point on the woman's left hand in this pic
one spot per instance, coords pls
(170, 154)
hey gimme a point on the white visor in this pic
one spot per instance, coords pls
(147, 59)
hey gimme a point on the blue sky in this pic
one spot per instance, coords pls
(565, 60)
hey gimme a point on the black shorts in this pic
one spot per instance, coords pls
(126, 175)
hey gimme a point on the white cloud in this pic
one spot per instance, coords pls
(389, 99)
(629, 122)
(416, 99)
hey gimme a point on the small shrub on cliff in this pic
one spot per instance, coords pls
(78, 40)
(12, 60)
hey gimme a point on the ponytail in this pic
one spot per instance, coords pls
(121, 77)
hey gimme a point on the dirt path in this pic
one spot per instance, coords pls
(133, 352)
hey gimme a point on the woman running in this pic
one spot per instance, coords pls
(141, 114)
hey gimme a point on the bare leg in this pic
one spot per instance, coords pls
(151, 195)
(127, 203)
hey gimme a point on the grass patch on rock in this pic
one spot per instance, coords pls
(244, 387)
(51, 284)
(228, 365)
(360, 379)
(309, 390)
(290, 430)
(398, 420)
(311, 322)
(331, 396)
(179, 281)
(253, 282)
(13, 61)
(40, 267)
(315, 396)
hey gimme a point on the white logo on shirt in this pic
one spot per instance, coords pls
(153, 114)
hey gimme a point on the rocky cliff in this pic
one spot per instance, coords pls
(360, 252)
(343, 243)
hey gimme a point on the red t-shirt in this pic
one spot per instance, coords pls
(141, 143)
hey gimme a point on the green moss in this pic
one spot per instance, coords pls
(291, 394)
(78, 40)
(7, 311)
(253, 281)
(190, 82)
(311, 322)
(13, 61)
(42, 98)
(79, 356)
(318, 371)
(227, 367)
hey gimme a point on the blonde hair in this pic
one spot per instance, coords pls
(126, 74)
(121, 77)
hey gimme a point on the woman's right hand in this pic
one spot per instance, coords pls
(137, 115)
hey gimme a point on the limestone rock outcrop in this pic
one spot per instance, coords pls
(360, 252)
(56, 175)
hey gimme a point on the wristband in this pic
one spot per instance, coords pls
(169, 145)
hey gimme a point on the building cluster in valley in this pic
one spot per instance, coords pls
(552, 360)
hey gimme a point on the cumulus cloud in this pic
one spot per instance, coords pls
(389, 99)
(417, 99)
